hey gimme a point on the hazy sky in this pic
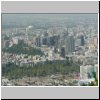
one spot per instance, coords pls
(29, 18)
(45, 16)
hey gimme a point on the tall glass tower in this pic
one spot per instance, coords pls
(70, 44)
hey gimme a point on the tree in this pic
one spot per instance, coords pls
(40, 69)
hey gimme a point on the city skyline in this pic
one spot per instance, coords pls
(49, 49)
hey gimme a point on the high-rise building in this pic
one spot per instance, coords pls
(87, 72)
(54, 40)
(38, 42)
(44, 41)
(77, 42)
(63, 52)
(96, 70)
(69, 45)
(82, 40)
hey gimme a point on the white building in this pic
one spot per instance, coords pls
(96, 70)
(50, 54)
(15, 40)
(86, 72)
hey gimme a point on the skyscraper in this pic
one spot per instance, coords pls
(69, 44)
(82, 40)
(87, 72)
(38, 42)
(63, 52)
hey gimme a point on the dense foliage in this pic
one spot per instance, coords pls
(22, 48)
(12, 71)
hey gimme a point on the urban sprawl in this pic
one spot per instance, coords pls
(50, 54)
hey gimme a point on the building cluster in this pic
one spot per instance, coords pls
(88, 73)
(57, 43)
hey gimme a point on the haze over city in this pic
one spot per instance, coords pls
(49, 49)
